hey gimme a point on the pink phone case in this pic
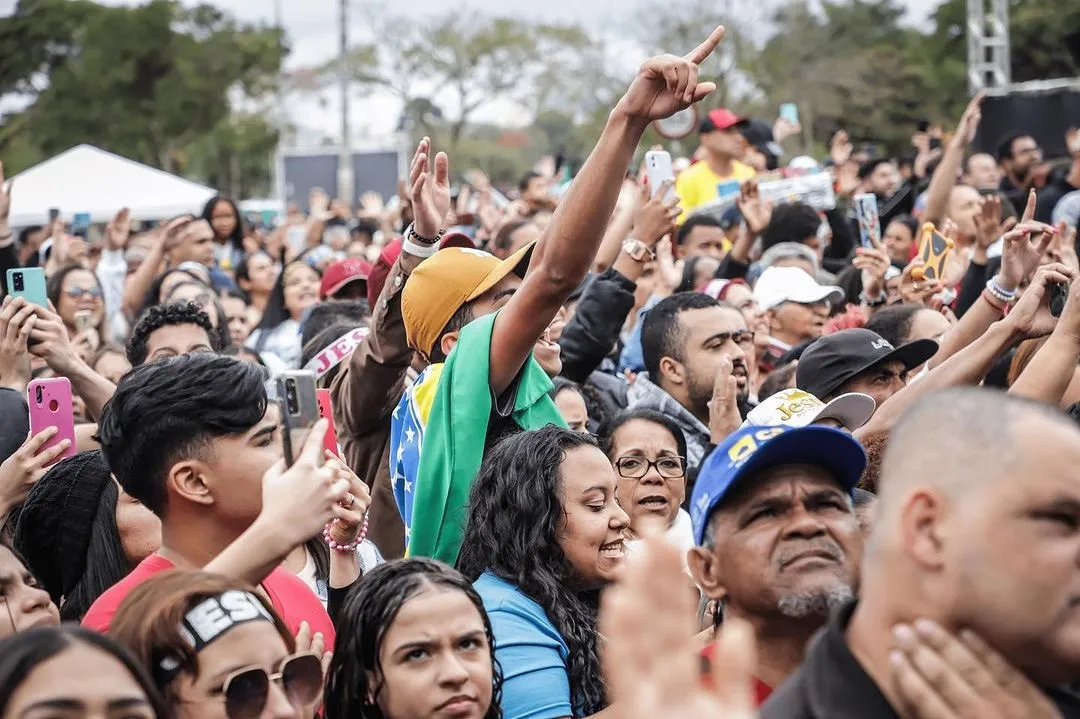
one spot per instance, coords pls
(50, 406)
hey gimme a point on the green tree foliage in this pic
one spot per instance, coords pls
(145, 82)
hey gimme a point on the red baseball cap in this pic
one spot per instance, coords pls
(720, 118)
(381, 269)
(341, 273)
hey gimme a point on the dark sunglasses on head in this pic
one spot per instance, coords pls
(247, 690)
(77, 292)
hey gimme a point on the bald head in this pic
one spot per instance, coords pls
(978, 526)
(961, 436)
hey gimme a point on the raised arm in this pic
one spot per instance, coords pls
(1051, 370)
(1030, 318)
(944, 178)
(663, 86)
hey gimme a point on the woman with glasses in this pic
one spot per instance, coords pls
(544, 534)
(79, 300)
(648, 451)
(217, 650)
(70, 672)
(413, 642)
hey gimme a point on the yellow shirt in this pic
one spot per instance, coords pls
(696, 185)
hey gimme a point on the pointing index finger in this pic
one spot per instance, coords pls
(699, 54)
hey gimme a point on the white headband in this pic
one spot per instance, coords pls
(211, 618)
(337, 352)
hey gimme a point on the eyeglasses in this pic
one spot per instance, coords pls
(638, 467)
(77, 292)
(247, 690)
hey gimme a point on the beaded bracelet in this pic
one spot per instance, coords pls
(351, 546)
(1000, 292)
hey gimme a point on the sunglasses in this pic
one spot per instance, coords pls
(77, 292)
(247, 690)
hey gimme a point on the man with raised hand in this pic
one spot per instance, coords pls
(485, 318)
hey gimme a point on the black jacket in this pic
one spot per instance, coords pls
(593, 332)
(831, 684)
(591, 336)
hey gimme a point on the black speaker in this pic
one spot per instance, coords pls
(1072, 45)
(1043, 114)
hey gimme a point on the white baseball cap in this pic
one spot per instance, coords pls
(796, 408)
(778, 285)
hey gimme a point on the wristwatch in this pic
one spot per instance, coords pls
(638, 250)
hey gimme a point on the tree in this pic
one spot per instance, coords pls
(460, 62)
(142, 81)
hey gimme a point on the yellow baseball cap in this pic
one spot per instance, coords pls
(442, 283)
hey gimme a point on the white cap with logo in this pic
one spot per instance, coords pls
(796, 408)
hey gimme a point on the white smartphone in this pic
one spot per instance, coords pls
(658, 169)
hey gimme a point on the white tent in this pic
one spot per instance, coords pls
(89, 179)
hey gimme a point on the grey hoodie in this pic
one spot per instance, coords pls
(643, 393)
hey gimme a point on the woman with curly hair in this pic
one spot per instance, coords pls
(413, 642)
(544, 534)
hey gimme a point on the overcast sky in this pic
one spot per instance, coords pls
(312, 29)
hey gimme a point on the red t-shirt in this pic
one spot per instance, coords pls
(761, 689)
(292, 599)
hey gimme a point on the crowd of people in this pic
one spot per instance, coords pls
(610, 452)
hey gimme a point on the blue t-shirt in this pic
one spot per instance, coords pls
(531, 652)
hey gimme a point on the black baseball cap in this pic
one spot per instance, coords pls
(837, 358)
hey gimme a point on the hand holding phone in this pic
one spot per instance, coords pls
(789, 111)
(866, 210)
(51, 405)
(658, 169)
(299, 501)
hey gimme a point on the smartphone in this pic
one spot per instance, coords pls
(326, 411)
(299, 410)
(84, 320)
(28, 283)
(658, 169)
(922, 126)
(934, 250)
(790, 112)
(866, 210)
(54, 212)
(1059, 293)
(80, 224)
(51, 406)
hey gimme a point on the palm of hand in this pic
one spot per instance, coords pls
(433, 204)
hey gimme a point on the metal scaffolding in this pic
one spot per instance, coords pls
(988, 45)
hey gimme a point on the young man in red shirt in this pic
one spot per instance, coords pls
(191, 437)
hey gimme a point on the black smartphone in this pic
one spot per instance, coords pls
(922, 125)
(1059, 294)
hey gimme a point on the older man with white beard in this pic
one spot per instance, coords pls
(778, 540)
